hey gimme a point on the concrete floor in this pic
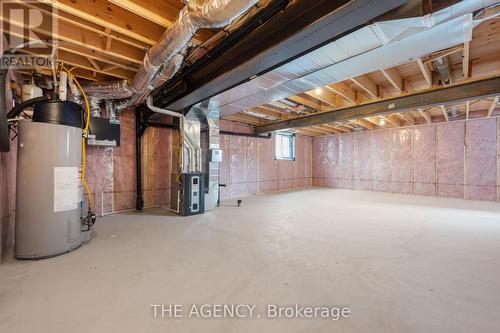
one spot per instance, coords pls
(401, 263)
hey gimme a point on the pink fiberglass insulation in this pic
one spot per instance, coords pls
(381, 167)
(424, 160)
(332, 173)
(299, 168)
(237, 157)
(225, 166)
(363, 161)
(498, 160)
(401, 160)
(252, 165)
(457, 159)
(111, 172)
(308, 156)
(450, 159)
(319, 155)
(266, 165)
(346, 161)
(481, 159)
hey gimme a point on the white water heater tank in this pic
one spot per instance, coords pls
(49, 193)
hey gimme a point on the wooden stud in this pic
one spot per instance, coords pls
(466, 61)
(407, 117)
(325, 96)
(368, 86)
(344, 91)
(426, 72)
(445, 113)
(392, 75)
(492, 106)
(425, 115)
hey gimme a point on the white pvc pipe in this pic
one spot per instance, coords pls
(149, 103)
(63, 85)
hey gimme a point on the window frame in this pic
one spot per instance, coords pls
(292, 138)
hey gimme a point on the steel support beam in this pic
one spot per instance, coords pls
(440, 96)
(301, 27)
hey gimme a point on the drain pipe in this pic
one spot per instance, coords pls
(190, 145)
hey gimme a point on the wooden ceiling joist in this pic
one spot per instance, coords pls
(367, 85)
(392, 119)
(392, 75)
(112, 17)
(344, 91)
(312, 103)
(91, 41)
(425, 115)
(325, 96)
(492, 106)
(445, 113)
(426, 72)
(445, 95)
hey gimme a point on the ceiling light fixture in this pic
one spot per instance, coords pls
(382, 121)
(318, 91)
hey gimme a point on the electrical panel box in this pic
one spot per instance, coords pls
(216, 155)
(192, 194)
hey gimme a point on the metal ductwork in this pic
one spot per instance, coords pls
(164, 59)
(443, 67)
(118, 89)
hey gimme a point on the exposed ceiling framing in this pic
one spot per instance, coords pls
(107, 37)
(475, 60)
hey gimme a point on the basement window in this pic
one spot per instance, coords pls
(285, 146)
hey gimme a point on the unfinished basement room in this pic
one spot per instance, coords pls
(250, 166)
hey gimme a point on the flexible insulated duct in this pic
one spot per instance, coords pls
(164, 59)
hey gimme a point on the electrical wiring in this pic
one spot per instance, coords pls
(84, 133)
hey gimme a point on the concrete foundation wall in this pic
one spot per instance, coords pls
(459, 159)
(249, 164)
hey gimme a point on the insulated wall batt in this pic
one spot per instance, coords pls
(481, 155)
(455, 159)
(401, 160)
(346, 161)
(251, 166)
(424, 160)
(450, 159)
(332, 172)
(319, 162)
(363, 161)
(381, 152)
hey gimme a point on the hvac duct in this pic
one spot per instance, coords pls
(378, 46)
(164, 59)
(119, 89)
(443, 67)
